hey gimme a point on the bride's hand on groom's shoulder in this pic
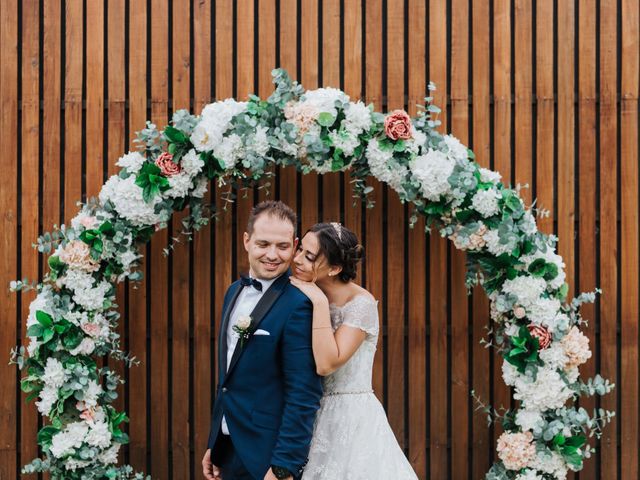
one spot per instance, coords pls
(209, 470)
(310, 289)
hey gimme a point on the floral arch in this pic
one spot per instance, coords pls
(73, 318)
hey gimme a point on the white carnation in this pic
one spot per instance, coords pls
(485, 202)
(432, 172)
(132, 161)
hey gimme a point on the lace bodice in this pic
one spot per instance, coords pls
(355, 375)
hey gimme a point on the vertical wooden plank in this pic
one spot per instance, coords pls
(159, 360)
(545, 113)
(9, 374)
(438, 267)
(609, 254)
(460, 392)
(116, 142)
(481, 443)
(566, 139)
(51, 116)
(288, 60)
(266, 63)
(331, 78)
(373, 216)
(29, 215)
(73, 108)
(501, 396)
(245, 85)
(180, 262)
(95, 98)
(352, 20)
(418, 289)
(137, 334)
(395, 227)
(309, 80)
(587, 181)
(203, 296)
(629, 241)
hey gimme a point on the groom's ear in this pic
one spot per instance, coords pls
(296, 241)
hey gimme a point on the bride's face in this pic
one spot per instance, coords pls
(309, 264)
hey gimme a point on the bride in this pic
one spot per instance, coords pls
(352, 439)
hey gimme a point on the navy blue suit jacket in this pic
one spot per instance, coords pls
(270, 393)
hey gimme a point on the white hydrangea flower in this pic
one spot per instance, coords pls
(86, 347)
(43, 302)
(457, 151)
(529, 474)
(417, 143)
(127, 199)
(99, 435)
(485, 202)
(214, 122)
(191, 163)
(357, 118)
(489, 176)
(132, 161)
(109, 455)
(324, 99)
(551, 463)
(547, 391)
(179, 185)
(48, 396)
(526, 288)
(346, 142)
(77, 318)
(510, 373)
(92, 298)
(549, 256)
(380, 164)
(63, 443)
(76, 279)
(260, 143)
(229, 151)
(201, 188)
(54, 373)
(529, 419)
(553, 356)
(91, 393)
(494, 245)
(544, 311)
(432, 172)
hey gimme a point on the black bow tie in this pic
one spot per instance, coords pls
(247, 281)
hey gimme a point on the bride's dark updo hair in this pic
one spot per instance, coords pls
(340, 247)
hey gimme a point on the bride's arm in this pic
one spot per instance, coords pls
(330, 350)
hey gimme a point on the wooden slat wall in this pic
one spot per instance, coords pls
(544, 92)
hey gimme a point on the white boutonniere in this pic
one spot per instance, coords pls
(242, 327)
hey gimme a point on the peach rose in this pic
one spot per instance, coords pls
(542, 334)
(397, 125)
(167, 166)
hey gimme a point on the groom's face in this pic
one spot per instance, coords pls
(270, 246)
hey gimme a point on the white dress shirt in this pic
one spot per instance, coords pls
(245, 303)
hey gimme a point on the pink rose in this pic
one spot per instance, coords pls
(92, 329)
(398, 125)
(167, 166)
(542, 334)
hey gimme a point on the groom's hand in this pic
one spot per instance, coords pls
(271, 476)
(209, 470)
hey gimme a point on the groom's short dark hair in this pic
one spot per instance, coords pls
(272, 207)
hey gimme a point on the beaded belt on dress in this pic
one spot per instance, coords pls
(360, 392)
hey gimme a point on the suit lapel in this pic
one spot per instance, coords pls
(259, 312)
(222, 344)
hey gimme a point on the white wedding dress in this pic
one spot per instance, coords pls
(352, 439)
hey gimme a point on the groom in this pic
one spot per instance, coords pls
(268, 390)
